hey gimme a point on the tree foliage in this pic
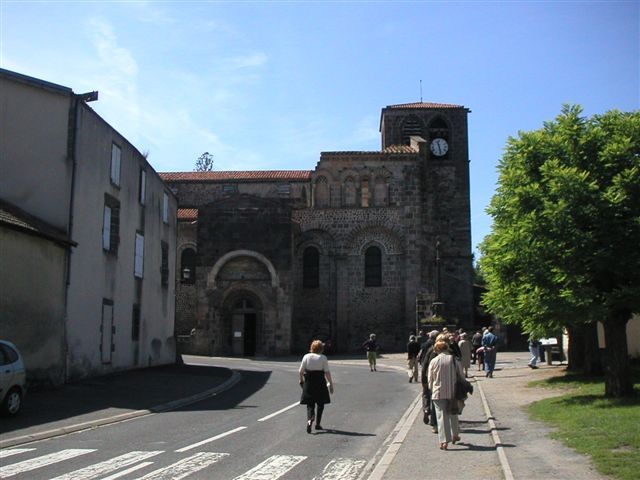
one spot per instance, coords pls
(204, 163)
(563, 249)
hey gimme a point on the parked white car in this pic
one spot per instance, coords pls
(12, 378)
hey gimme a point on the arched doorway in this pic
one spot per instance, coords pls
(245, 313)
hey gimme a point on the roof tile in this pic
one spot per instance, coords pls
(266, 175)
(424, 105)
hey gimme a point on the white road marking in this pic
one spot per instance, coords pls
(279, 412)
(127, 471)
(44, 460)
(342, 469)
(108, 466)
(272, 468)
(208, 440)
(185, 467)
(14, 451)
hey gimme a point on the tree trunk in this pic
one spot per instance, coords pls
(584, 354)
(592, 361)
(618, 382)
(576, 357)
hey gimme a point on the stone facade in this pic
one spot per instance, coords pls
(334, 253)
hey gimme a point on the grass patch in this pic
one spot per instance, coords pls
(606, 429)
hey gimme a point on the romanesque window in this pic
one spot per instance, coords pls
(373, 267)
(321, 192)
(188, 266)
(364, 193)
(311, 268)
(350, 192)
(380, 192)
(412, 127)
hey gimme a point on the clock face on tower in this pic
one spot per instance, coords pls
(439, 147)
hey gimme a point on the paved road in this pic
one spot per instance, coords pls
(255, 430)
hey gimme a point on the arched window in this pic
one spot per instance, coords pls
(311, 268)
(349, 192)
(364, 192)
(380, 192)
(321, 192)
(373, 267)
(412, 127)
(188, 266)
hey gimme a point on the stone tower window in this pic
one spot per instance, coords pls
(373, 267)
(380, 192)
(364, 193)
(350, 192)
(412, 126)
(321, 193)
(188, 266)
(311, 268)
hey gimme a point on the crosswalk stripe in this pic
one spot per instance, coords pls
(342, 469)
(107, 466)
(128, 471)
(14, 451)
(38, 462)
(208, 440)
(272, 468)
(185, 467)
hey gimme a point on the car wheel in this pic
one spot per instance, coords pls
(12, 402)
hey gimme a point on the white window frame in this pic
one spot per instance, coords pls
(116, 157)
(106, 228)
(165, 207)
(138, 260)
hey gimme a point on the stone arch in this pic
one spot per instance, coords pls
(321, 192)
(411, 126)
(362, 238)
(211, 278)
(319, 238)
(350, 192)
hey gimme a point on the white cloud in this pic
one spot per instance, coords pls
(119, 59)
(253, 60)
(366, 130)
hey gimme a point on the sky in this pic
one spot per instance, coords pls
(269, 85)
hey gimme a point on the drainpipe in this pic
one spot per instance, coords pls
(72, 144)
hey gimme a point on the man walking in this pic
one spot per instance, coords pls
(489, 344)
(476, 343)
(534, 349)
(413, 348)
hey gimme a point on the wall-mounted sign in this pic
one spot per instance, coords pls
(237, 334)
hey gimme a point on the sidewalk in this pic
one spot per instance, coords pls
(504, 430)
(112, 398)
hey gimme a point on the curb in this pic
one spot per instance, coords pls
(172, 405)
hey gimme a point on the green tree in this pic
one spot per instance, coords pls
(563, 250)
(204, 163)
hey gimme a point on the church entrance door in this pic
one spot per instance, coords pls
(244, 327)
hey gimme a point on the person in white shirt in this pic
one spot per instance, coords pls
(316, 383)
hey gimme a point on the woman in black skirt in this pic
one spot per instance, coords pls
(316, 383)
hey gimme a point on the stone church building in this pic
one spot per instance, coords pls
(366, 242)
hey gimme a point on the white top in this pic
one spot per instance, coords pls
(314, 362)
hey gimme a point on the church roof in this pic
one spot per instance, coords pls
(400, 149)
(417, 105)
(236, 176)
(187, 214)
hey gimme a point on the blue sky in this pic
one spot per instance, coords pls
(270, 85)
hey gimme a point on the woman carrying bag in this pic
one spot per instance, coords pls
(316, 383)
(442, 375)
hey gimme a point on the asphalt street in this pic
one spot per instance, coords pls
(254, 430)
